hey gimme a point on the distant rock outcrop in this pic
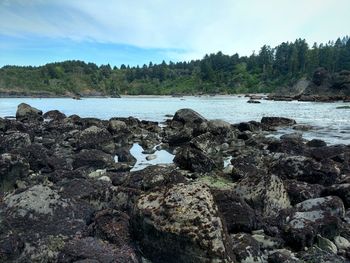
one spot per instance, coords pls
(324, 86)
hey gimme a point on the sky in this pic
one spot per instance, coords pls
(134, 32)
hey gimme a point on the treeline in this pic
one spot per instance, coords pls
(215, 73)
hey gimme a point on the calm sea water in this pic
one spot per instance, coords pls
(329, 123)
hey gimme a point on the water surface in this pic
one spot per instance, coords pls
(330, 124)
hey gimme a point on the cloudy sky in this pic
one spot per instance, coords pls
(35, 32)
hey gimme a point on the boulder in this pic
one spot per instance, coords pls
(237, 214)
(301, 191)
(54, 115)
(246, 248)
(277, 121)
(188, 116)
(96, 138)
(265, 193)
(194, 160)
(340, 190)
(117, 126)
(306, 169)
(92, 158)
(27, 113)
(180, 224)
(311, 217)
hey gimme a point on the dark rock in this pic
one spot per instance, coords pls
(194, 160)
(277, 121)
(27, 113)
(90, 248)
(112, 226)
(54, 115)
(155, 176)
(301, 191)
(188, 116)
(12, 168)
(125, 156)
(316, 143)
(246, 248)
(252, 126)
(306, 169)
(237, 214)
(340, 190)
(96, 138)
(314, 216)
(253, 101)
(92, 158)
(10, 248)
(13, 141)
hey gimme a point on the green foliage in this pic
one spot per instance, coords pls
(215, 73)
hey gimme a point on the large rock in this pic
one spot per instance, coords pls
(195, 160)
(301, 191)
(44, 220)
(54, 115)
(237, 214)
(92, 158)
(188, 116)
(314, 216)
(27, 113)
(96, 138)
(265, 193)
(306, 169)
(180, 224)
(277, 121)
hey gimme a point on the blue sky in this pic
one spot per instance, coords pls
(35, 32)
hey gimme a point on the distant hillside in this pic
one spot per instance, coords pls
(270, 68)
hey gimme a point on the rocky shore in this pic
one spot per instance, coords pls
(231, 195)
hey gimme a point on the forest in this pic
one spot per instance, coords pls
(264, 71)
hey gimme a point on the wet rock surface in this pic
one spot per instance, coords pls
(233, 194)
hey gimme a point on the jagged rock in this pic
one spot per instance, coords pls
(314, 216)
(12, 168)
(54, 115)
(27, 113)
(194, 160)
(188, 116)
(266, 193)
(237, 214)
(252, 126)
(96, 138)
(326, 245)
(180, 224)
(219, 127)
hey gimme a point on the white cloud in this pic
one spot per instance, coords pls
(198, 26)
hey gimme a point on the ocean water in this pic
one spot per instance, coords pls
(328, 122)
